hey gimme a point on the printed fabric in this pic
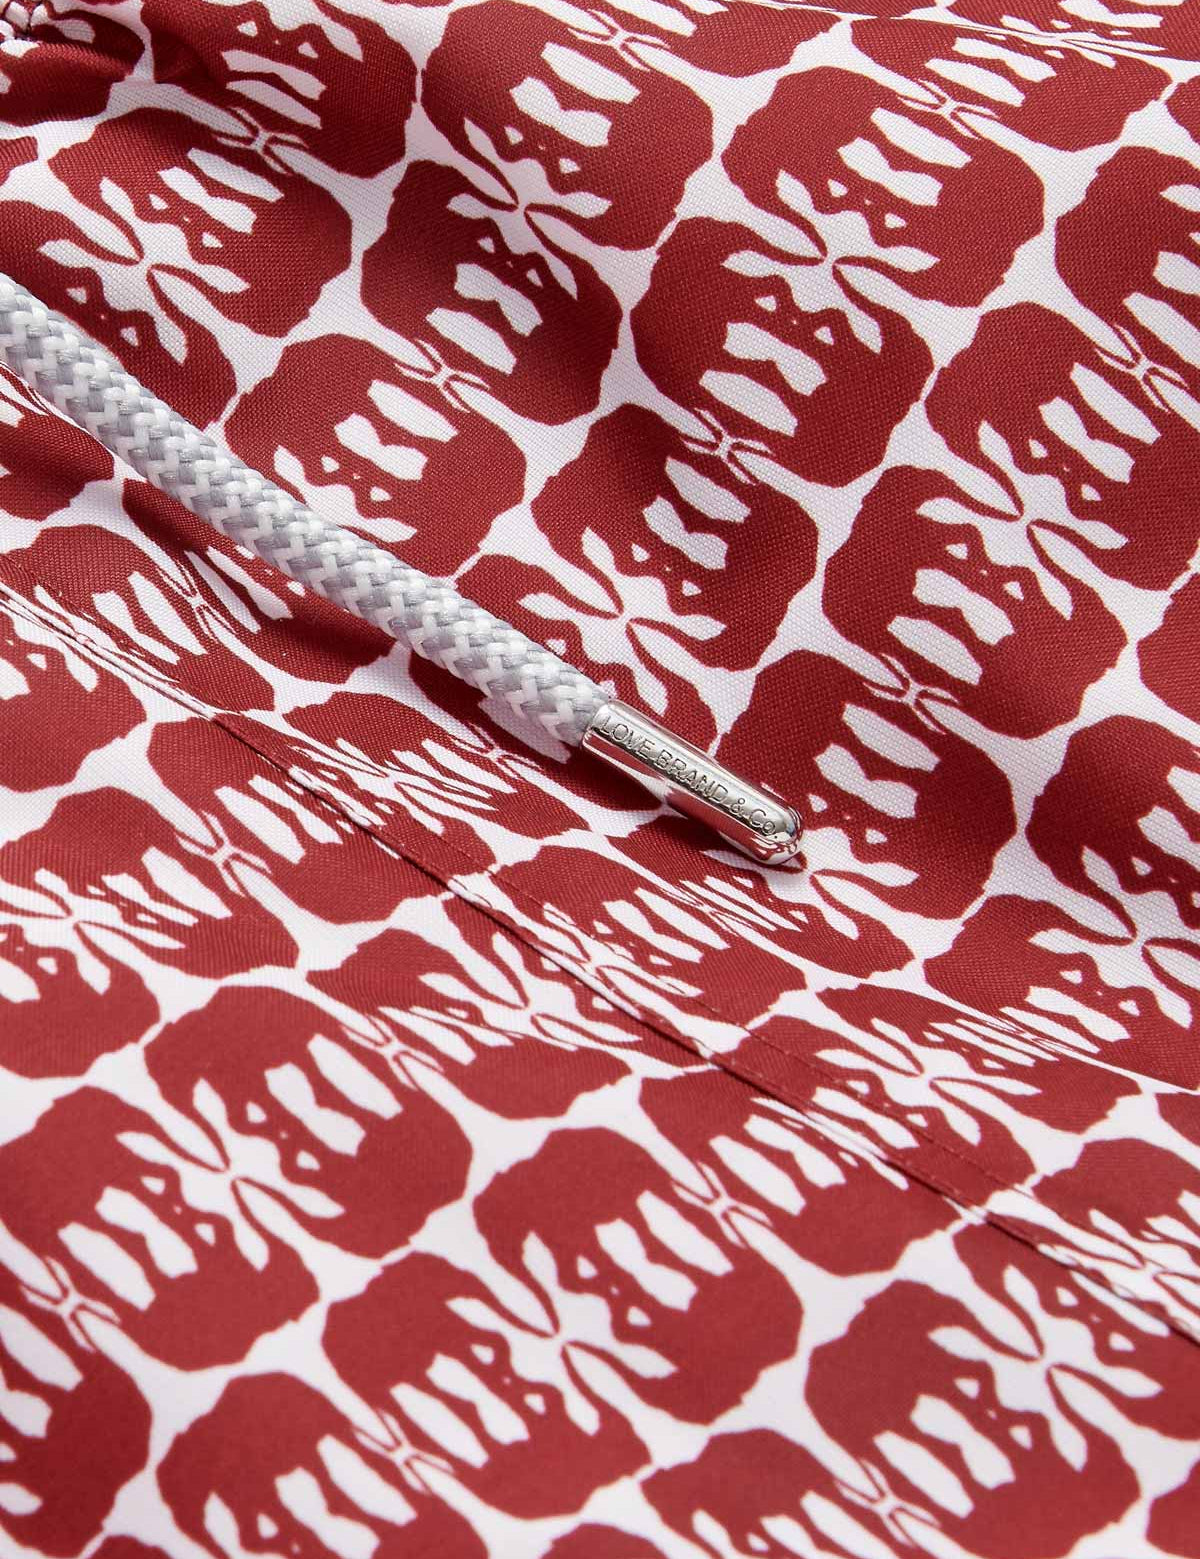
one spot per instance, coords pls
(413, 1145)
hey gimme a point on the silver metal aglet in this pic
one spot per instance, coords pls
(753, 821)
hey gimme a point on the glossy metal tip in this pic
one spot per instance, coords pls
(753, 821)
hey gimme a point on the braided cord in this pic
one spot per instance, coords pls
(83, 382)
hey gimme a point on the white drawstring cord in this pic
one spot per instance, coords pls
(82, 381)
(85, 384)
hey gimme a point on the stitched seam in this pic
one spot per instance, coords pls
(285, 761)
(939, 1185)
(271, 749)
